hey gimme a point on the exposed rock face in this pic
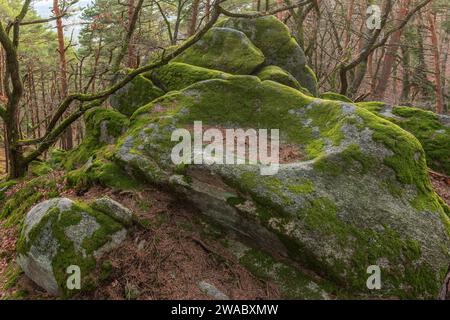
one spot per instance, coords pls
(358, 195)
(60, 233)
(277, 44)
(226, 50)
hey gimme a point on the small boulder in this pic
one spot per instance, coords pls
(59, 235)
(114, 209)
(211, 291)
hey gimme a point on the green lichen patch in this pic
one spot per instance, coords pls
(226, 50)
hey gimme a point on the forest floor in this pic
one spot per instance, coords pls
(164, 259)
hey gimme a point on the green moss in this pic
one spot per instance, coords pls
(353, 153)
(39, 168)
(56, 158)
(335, 96)
(101, 171)
(426, 127)
(134, 95)
(293, 283)
(105, 270)
(101, 125)
(67, 254)
(225, 50)
(276, 74)
(408, 159)
(281, 50)
(304, 188)
(177, 76)
(12, 275)
(16, 207)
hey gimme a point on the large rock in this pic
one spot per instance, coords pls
(177, 76)
(352, 190)
(224, 49)
(134, 95)
(274, 73)
(431, 129)
(103, 128)
(277, 44)
(60, 233)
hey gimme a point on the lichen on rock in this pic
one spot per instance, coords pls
(333, 210)
(60, 233)
(224, 49)
(135, 94)
(432, 130)
(277, 44)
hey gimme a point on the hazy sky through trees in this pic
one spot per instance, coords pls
(44, 8)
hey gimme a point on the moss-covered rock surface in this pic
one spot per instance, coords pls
(358, 194)
(226, 50)
(278, 45)
(432, 130)
(60, 236)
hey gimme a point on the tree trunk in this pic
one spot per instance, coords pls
(131, 54)
(391, 52)
(194, 17)
(68, 136)
(436, 60)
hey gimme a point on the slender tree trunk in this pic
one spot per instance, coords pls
(436, 60)
(194, 17)
(68, 137)
(391, 53)
(281, 15)
(131, 53)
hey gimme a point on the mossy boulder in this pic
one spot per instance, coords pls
(431, 129)
(177, 76)
(356, 194)
(60, 233)
(224, 49)
(103, 128)
(335, 96)
(278, 45)
(274, 73)
(135, 94)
